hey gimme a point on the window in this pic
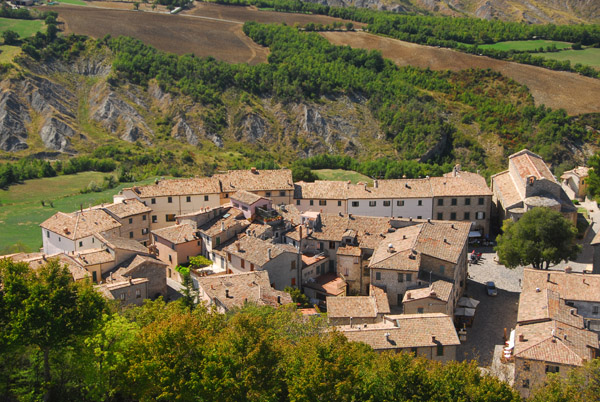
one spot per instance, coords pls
(218, 241)
(130, 221)
(467, 216)
(154, 218)
(331, 245)
(440, 350)
(297, 202)
(170, 258)
(312, 202)
(408, 277)
(552, 369)
(355, 203)
(399, 298)
(321, 246)
(372, 203)
(467, 201)
(144, 217)
(170, 200)
(419, 217)
(525, 383)
(131, 235)
(145, 231)
(480, 201)
(400, 277)
(440, 216)
(47, 233)
(420, 310)
(138, 294)
(322, 202)
(199, 243)
(282, 193)
(80, 244)
(387, 203)
(453, 201)
(244, 208)
(94, 276)
(526, 366)
(594, 309)
(293, 281)
(413, 351)
(442, 269)
(93, 238)
(452, 216)
(293, 266)
(122, 296)
(480, 215)
(153, 201)
(267, 193)
(400, 203)
(420, 202)
(378, 276)
(243, 263)
(226, 195)
(228, 257)
(440, 202)
(339, 203)
(170, 217)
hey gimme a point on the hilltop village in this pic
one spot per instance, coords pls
(388, 263)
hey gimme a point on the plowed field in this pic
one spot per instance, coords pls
(557, 89)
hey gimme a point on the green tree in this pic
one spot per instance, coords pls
(540, 238)
(136, 5)
(10, 37)
(190, 294)
(581, 384)
(200, 262)
(45, 309)
(297, 296)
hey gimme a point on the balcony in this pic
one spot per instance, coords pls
(270, 217)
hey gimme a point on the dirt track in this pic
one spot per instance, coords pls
(557, 89)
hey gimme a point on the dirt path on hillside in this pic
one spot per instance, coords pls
(556, 89)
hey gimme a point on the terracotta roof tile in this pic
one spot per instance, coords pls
(443, 240)
(94, 257)
(441, 290)
(127, 208)
(122, 243)
(205, 185)
(506, 189)
(252, 287)
(330, 284)
(80, 224)
(321, 189)
(260, 180)
(570, 286)
(177, 234)
(246, 197)
(36, 260)
(580, 171)
(529, 164)
(228, 221)
(458, 186)
(383, 304)
(415, 330)
(349, 250)
(255, 250)
(351, 306)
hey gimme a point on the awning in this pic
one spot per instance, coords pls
(463, 311)
(468, 302)
(474, 233)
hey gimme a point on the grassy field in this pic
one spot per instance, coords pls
(526, 45)
(344, 175)
(76, 2)
(21, 209)
(8, 53)
(24, 28)
(589, 56)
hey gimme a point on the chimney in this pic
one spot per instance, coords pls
(433, 338)
(227, 293)
(300, 233)
(365, 186)
(452, 226)
(403, 237)
(253, 170)
(237, 246)
(278, 299)
(572, 311)
(387, 336)
(432, 293)
(222, 226)
(445, 240)
(548, 278)
(409, 296)
(376, 183)
(391, 248)
(568, 269)
(428, 220)
(521, 338)
(269, 253)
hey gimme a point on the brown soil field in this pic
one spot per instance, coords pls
(556, 89)
(171, 33)
(206, 29)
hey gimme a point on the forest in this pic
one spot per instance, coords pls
(97, 351)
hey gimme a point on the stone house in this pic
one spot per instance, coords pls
(174, 245)
(155, 271)
(74, 232)
(36, 260)
(435, 298)
(277, 185)
(353, 268)
(126, 291)
(134, 218)
(249, 203)
(529, 183)
(226, 292)
(323, 195)
(358, 310)
(428, 335)
(169, 198)
(575, 182)
(281, 261)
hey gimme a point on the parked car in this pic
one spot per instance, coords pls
(490, 288)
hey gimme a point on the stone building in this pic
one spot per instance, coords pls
(528, 183)
(358, 310)
(134, 218)
(435, 298)
(575, 182)
(174, 245)
(277, 185)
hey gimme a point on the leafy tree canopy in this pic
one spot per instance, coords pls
(541, 237)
